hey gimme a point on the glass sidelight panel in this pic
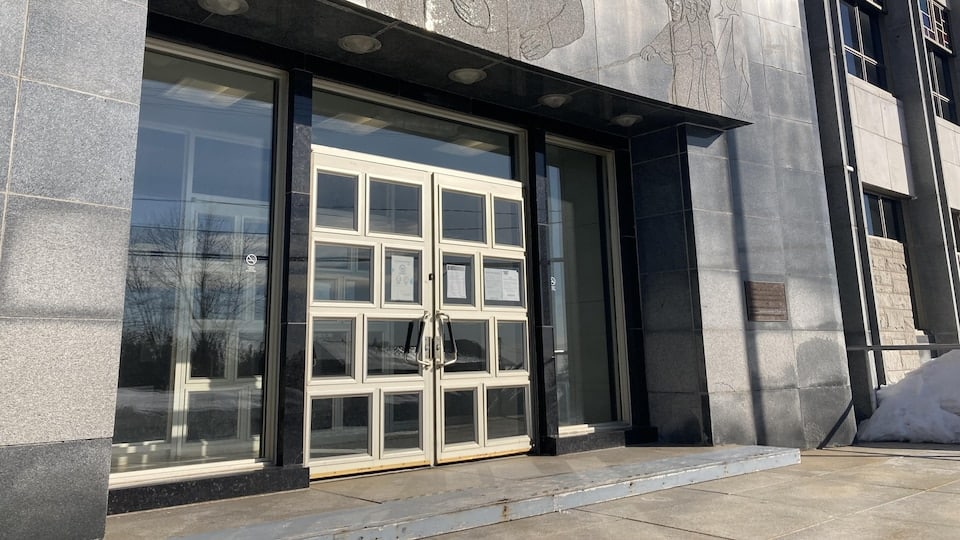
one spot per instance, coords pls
(394, 208)
(339, 426)
(401, 422)
(463, 216)
(343, 273)
(506, 412)
(194, 338)
(503, 282)
(512, 345)
(336, 200)
(402, 276)
(460, 416)
(333, 341)
(393, 347)
(458, 279)
(468, 344)
(507, 222)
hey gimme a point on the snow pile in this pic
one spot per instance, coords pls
(923, 407)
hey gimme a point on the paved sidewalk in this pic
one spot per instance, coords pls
(895, 491)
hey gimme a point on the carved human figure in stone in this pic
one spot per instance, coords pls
(686, 43)
(543, 25)
(411, 11)
(734, 78)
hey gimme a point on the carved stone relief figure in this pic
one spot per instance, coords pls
(734, 79)
(410, 11)
(543, 25)
(686, 43)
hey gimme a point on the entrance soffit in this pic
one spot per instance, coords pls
(423, 58)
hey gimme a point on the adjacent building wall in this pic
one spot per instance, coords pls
(69, 104)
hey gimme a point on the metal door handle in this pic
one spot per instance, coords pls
(421, 351)
(445, 319)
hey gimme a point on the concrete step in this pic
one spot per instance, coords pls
(440, 513)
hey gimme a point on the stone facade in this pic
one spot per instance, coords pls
(891, 288)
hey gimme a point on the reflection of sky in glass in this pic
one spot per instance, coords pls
(351, 124)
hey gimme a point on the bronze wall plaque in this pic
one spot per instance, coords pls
(766, 302)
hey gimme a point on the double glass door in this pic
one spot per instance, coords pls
(418, 333)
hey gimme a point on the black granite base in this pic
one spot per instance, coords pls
(134, 499)
(54, 490)
(557, 446)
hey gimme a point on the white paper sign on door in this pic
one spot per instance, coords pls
(456, 281)
(401, 278)
(501, 285)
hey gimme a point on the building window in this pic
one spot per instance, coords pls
(860, 21)
(936, 22)
(193, 348)
(941, 85)
(884, 217)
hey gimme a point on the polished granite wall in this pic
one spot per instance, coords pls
(716, 209)
(69, 106)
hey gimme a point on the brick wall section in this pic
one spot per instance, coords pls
(891, 285)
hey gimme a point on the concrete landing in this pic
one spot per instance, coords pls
(427, 502)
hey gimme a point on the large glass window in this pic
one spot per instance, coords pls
(863, 50)
(941, 85)
(586, 359)
(193, 351)
(883, 217)
(935, 18)
(373, 128)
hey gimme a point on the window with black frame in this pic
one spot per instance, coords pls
(884, 217)
(935, 18)
(862, 45)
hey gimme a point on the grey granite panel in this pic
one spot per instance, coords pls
(89, 157)
(13, 14)
(721, 300)
(706, 141)
(795, 145)
(674, 361)
(752, 143)
(94, 46)
(760, 245)
(808, 249)
(666, 301)
(679, 417)
(710, 183)
(814, 303)
(754, 189)
(793, 93)
(783, 46)
(65, 373)
(55, 491)
(778, 10)
(658, 186)
(821, 359)
(63, 260)
(662, 243)
(766, 417)
(716, 240)
(8, 101)
(828, 418)
(804, 195)
(749, 361)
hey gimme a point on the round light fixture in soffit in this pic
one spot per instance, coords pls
(626, 120)
(555, 101)
(225, 7)
(359, 44)
(467, 75)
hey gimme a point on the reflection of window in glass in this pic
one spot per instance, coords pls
(463, 216)
(941, 85)
(863, 50)
(507, 222)
(336, 200)
(506, 412)
(394, 208)
(586, 360)
(342, 273)
(333, 347)
(201, 203)
(401, 422)
(339, 426)
(353, 124)
(393, 347)
(935, 18)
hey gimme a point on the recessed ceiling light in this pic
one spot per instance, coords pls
(225, 7)
(626, 120)
(467, 75)
(359, 44)
(555, 101)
